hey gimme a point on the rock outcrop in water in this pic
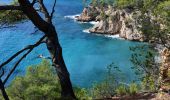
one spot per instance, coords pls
(89, 14)
(114, 21)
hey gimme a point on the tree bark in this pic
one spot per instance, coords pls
(53, 47)
(3, 90)
(58, 62)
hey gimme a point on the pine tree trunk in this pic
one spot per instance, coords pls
(52, 45)
(58, 62)
(3, 91)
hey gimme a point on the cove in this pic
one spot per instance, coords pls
(86, 55)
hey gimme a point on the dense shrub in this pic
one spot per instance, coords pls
(39, 83)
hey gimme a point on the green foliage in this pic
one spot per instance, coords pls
(133, 88)
(103, 89)
(145, 66)
(103, 15)
(121, 90)
(130, 89)
(94, 2)
(125, 3)
(39, 83)
(82, 94)
(110, 85)
(155, 21)
(102, 2)
(148, 83)
(163, 9)
(106, 88)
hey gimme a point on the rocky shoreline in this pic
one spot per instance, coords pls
(112, 22)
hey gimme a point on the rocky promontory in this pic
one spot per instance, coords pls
(89, 14)
(113, 21)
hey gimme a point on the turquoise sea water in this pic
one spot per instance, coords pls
(86, 55)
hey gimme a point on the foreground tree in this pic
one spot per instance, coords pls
(51, 40)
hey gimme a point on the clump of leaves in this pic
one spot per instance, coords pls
(40, 82)
(82, 94)
(121, 90)
(148, 83)
(125, 3)
(133, 88)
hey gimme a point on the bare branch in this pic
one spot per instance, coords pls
(32, 14)
(15, 66)
(45, 11)
(2, 73)
(21, 51)
(10, 7)
(31, 47)
(53, 10)
(14, 56)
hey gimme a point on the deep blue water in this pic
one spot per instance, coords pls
(86, 55)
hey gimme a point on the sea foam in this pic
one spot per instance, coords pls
(86, 31)
(72, 16)
(93, 23)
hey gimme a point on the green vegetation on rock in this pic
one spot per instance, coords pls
(11, 16)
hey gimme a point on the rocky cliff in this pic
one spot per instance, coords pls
(89, 14)
(113, 21)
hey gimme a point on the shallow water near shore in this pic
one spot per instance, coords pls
(86, 55)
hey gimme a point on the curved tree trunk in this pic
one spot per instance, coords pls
(58, 62)
(3, 90)
(53, 47)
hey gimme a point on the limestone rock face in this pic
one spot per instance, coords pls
(89, 13)
(119, 22)
(113, 21)
(111, 25)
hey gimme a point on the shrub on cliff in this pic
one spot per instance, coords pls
(125, 3)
